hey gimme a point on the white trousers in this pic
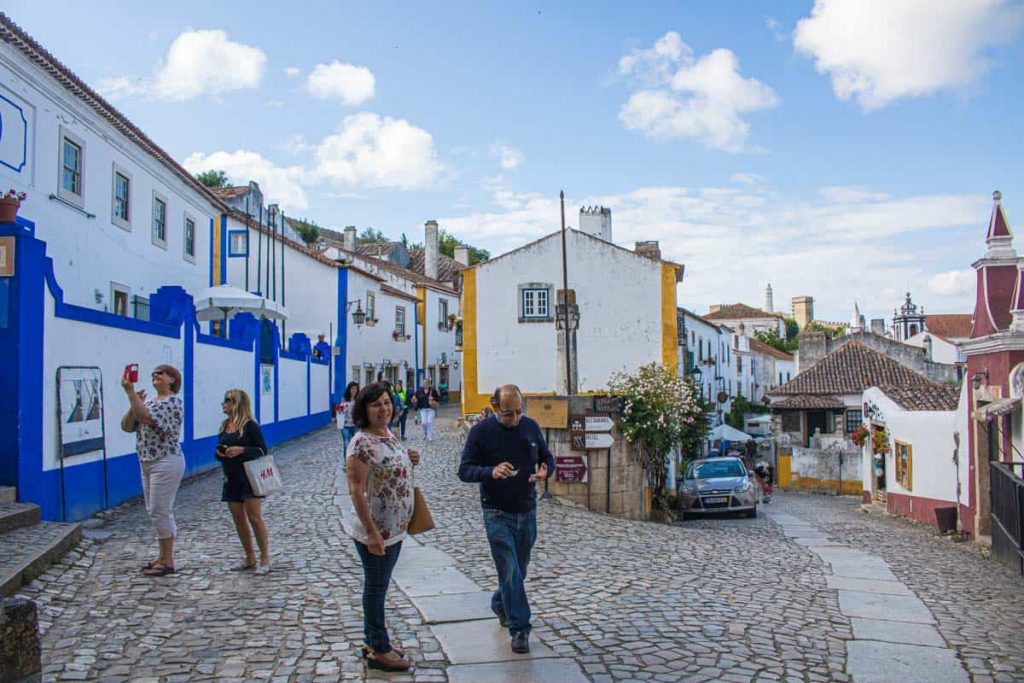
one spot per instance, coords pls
(427, 418)
(160, 481)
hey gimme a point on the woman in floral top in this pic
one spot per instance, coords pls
(157, 425)
(379, 476)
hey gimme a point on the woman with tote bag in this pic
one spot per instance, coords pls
(241, 440)
(379, 473)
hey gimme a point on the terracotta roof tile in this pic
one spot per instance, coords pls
(230, 192)
(447, 267)
(760, 347)
(849, 370)
(927, 397)
(950, 325)
(806, 402)
(739, 312)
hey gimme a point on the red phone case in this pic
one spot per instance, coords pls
(131, 372)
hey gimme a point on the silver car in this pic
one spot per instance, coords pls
(716, 485)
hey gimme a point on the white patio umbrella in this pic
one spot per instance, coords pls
(728, 433)
(224, 301)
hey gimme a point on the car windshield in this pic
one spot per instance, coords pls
(714, 470)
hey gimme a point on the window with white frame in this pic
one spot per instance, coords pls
(534, 302)
(121, 209)
(120, 295)
(442, 312)
(238, 244)
(72, 168)
(400, 321)
(159, 221)
(188, 239)
(371, 306)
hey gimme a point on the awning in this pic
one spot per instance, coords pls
(1000, 406)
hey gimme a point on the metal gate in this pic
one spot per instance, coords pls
(1007, 497)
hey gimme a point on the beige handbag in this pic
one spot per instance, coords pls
(421, 520)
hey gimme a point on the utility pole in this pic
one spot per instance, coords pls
(565, 303)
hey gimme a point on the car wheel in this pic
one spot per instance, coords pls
(752, 513)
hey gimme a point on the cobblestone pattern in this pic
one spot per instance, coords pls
(978, 603)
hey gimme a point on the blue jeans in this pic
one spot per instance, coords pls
(511, 536)
(376, 576)
(346, 435)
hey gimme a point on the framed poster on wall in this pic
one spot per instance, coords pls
(80, 410)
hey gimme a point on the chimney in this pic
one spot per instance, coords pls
(649, 249)
(596, 221)
(462, 254)
(348, 242)
(878, 326)
(813, 347)
(430, 253)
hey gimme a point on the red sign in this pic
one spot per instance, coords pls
(570, 468)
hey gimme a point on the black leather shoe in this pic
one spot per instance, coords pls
(499, 612)
(521, 643)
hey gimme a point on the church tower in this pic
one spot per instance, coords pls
(907, 321)
(769, 304)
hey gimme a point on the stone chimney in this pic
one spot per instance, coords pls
(430, 251)
(348, 241)
(462, 254)
(649, 249)
(813, 347)
(878, 326)
(596, 221)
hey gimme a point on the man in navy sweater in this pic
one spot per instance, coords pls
(507, 454)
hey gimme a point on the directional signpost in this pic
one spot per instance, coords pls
(591, 432)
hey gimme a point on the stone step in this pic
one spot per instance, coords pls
(17, 515)
(8, 494)
(26, 553)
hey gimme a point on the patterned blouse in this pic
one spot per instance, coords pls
(161, 438)
(389, 489)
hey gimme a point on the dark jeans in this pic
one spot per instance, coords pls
(376, 576)
(401, 421)
(511, 536)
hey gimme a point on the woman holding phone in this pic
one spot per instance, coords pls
(241, 440)
(157, 426)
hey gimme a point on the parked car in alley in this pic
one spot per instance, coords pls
(717, 485)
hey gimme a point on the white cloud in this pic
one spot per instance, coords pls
(291, 71)
(848, 194)
(878, 51)
(510, 157)
(351, 84)
(198, 63)
(748, 178)
(775, 28)
(295, 144)
(953, 283)
(691, 99)
(369, 150)
(283, 184)
(733, 240)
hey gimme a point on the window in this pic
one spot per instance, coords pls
(188, 239)
(159, 221)
(371, 306)
(238, 243)
(854, 419)
(119, 297)
(535, 303)
(442, 312)
(121, 211)
(400, 321)
(140, 308)
(700, 350)
(72, 168)
(739, 364)
(904, 454)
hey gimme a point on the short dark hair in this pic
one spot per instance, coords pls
(508, 389)
(173, 373)
(366, 396)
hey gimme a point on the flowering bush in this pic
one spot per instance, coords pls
(860, 435)
(661, 411)
(880, 441)
(15, 195)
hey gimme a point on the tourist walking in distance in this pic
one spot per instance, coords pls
(343, 416)
(379, 473)
(157, 425)
(403, 403)
(507, 455)
(427, 401)
(239, 441)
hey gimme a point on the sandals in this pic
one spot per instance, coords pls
(243, 567)
(157, 569)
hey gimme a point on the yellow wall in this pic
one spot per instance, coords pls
(218, 231)
(798, 483)
(421, 319)
(785, 470)
(669, 333)
(472, 400)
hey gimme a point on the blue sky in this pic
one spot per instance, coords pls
(844, 149)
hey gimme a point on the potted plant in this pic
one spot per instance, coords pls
(880, 441)
(9, 205)
(860, 435)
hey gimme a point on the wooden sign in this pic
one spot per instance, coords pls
(549, 412)
(6, 257)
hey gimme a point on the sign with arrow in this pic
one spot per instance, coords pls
(598, 423)
(591, 432)
(598, 440)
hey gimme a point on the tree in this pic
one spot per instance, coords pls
(661, 412)
(792, 328)
(308, 230)
(371, 236)
(740, 408)
(213, 179)
(772, 338)
(829, 331)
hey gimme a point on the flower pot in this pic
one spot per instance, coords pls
(8, 209)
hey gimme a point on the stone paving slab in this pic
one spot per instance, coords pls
(528, 671)
(888, 607)
(476, 642)
(440, 609)
(870, 661)
(786, 520)
(896, 632)
(817, 542)
(858, 569)
(867, 585)
(415, 581)
(422, 557)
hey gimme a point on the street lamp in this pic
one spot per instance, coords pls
(573, 317)
(358, 316)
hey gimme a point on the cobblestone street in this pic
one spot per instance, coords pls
(724, 599)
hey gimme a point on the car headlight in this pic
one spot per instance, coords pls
(744, 487)
(690, 489)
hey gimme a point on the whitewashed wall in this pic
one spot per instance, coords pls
(442, 341)
(373, 343)
(942, 351)
(222, 369)
(90, 253)
(291, 373)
